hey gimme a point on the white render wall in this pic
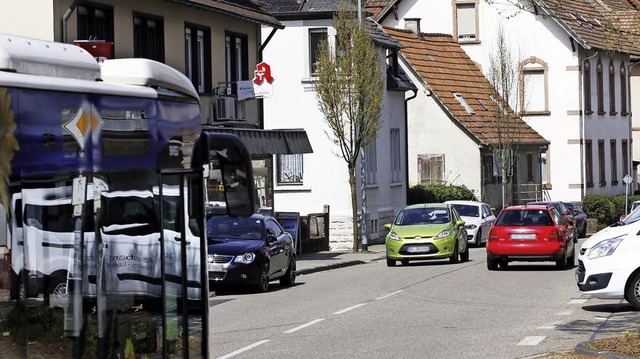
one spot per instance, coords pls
(28, 18)
(541, 37)
(326, 180)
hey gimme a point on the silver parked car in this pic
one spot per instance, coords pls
(478, 219)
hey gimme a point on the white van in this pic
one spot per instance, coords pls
(609, 262)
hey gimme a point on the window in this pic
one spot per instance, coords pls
(466, 20)
(600, 89)
(588, 153)
(612, 89)
(601, 163)
(464, 103)
(533, 92)
(623, 90)
(290, 170)
(371, 163)
(487, 169)
(316, 37)
(396, 159)
(148, 37)
(586, 80)
(236, 55)
(530, 175)
(544, 177)
(95, 23)
(625, 157)
(198, 56)
(614, 162)
(431, 169)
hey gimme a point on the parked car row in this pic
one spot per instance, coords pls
(538, 231)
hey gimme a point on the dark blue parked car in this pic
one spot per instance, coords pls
(249, 251)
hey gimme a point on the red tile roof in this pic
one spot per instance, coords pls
(447, 69)
(602, 24)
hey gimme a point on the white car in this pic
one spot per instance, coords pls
(609, 262)
(478, 219)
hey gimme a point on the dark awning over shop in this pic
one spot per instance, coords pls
(271, 142)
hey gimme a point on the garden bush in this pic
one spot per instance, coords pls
(437, 193)
(600, 207)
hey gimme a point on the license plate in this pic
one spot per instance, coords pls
(215, 267)
(523, 236)
(418, 249)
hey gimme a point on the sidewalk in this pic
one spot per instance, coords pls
(319, 261)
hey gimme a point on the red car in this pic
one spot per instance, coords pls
(530, 233)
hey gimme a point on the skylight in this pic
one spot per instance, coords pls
(464, 103)
(482, 104)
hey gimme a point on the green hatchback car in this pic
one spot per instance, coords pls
(426, 231)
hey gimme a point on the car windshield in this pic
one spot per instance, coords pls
(425, 215)
(467, 210)
(234, 228)
(524, 217)
(634, 216)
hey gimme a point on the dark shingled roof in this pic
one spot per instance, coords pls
(440, 61)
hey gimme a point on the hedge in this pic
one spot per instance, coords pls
(606, 208)
(438, 193)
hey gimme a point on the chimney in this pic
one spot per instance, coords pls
(413, 24)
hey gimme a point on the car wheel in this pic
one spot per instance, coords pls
(561, 263)
(464, 256)
(479, 238)
(503, 264)
(391, 263)
(633, 292)
(58, 292)
(263, 282)
(583, 233)
(404, 262)
(571, 261)
(492, 264)
(454, 256)
(289, 278)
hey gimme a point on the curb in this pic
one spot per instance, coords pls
(583, 349)
(336, 265)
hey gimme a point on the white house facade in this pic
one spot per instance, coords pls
(324, 182)
(589, 150)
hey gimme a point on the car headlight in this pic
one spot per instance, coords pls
(470, 226)
(394, 236)
(245, 258)
(605, 248)
(210, 258)
(444, 233)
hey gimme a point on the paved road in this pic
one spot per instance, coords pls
(424, 310)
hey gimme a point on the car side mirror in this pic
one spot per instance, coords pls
(387, 226)
(271, 238)
(460, 223)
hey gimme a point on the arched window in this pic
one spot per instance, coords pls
(623, 90)
(534, 94)
(600, 89)
(586, 81)
(612, 89)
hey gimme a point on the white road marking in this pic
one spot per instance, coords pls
(535, 340)
(566, 312)
(390, 294)
(242, 350)
(350, 308)
(578, 301)
(303, 326)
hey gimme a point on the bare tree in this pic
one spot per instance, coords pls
(504, 75)
(349, 94)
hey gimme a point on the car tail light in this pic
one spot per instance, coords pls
(554, 235)
(493, 236)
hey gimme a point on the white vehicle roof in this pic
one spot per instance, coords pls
(465, 202)
(33, 63)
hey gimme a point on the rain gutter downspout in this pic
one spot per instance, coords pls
(582, 126)
(65, 18)
(629, 163)
(406, 144)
